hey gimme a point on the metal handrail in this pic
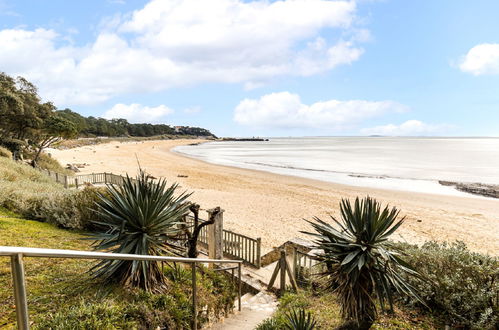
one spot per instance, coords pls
(17, 267)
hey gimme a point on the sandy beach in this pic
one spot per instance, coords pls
(272, 206)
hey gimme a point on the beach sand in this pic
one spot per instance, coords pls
(272, 206)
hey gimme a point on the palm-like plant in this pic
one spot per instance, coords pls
(362, 265)
(299, 320)
(138, 217)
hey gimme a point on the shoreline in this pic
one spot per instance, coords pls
(460, 189)
(261, 204)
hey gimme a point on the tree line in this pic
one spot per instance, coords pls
(29, 124)
(92, 127)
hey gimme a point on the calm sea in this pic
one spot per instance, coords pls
(409, 164)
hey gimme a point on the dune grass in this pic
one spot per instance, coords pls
(62, 295)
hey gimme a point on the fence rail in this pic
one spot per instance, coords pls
(17, 255)
(78, 180)
(235, 245)
(306, 268)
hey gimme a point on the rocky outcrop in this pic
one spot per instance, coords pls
(487, 190)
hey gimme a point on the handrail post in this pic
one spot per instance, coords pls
(258, 252)
(194, 298)
(239, 286)
(282, 263)
(66, 181)
(215, 234)
(17, 266)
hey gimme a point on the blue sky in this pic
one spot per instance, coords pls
(265, 68)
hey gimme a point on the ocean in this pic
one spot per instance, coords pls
(401, 163)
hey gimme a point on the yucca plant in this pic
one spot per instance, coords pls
(362, 266)
(139, 217)
(299, 320)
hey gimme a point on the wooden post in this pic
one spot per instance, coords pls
(282, 263)
(258, 252)
(66, 181)
(215, 234)
(76, 183)
(283, 267)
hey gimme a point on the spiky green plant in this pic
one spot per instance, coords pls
(138, 217)
(362, 266)
(299, 320)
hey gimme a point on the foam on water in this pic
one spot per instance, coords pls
(408, 164)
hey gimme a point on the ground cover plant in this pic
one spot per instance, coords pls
(87, 303)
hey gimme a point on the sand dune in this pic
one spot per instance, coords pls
(272, 206)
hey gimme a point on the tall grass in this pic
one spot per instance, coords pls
(35, 196)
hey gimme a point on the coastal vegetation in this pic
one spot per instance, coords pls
(360, 271)
(361, 265)
(460, 290)
(87, 302)
(28, 125)
(143, 217)
(35, 196)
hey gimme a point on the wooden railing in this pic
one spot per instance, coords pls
(242, 247)
(237, 246)
(78, 180)
(306, 269)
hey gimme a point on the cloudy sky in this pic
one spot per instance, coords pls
(265, 68)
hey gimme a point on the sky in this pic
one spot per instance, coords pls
(265, 68)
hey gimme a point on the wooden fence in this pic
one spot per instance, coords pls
(306, 268)
(237, 246)
(78, 180)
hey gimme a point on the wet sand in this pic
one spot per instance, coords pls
(272, 206)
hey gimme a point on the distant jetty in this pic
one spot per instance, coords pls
(243, 139)
(487, 190)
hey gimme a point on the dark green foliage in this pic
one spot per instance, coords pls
(362, 265)
(91, 126)
(463, 286)
(300, 320)
(139, 217)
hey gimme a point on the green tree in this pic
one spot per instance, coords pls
(362, 264)
(51, 130)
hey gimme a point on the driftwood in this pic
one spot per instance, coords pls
(192, 237)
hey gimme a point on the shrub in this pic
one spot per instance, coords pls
(71, 209)
(463, 286)
(141, 217)
(35, 196)
(362, 266)
(4, 152)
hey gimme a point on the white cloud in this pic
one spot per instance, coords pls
(481, 59)
(285, 110)
(136, 113)
(408, 128)
(183, 42)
